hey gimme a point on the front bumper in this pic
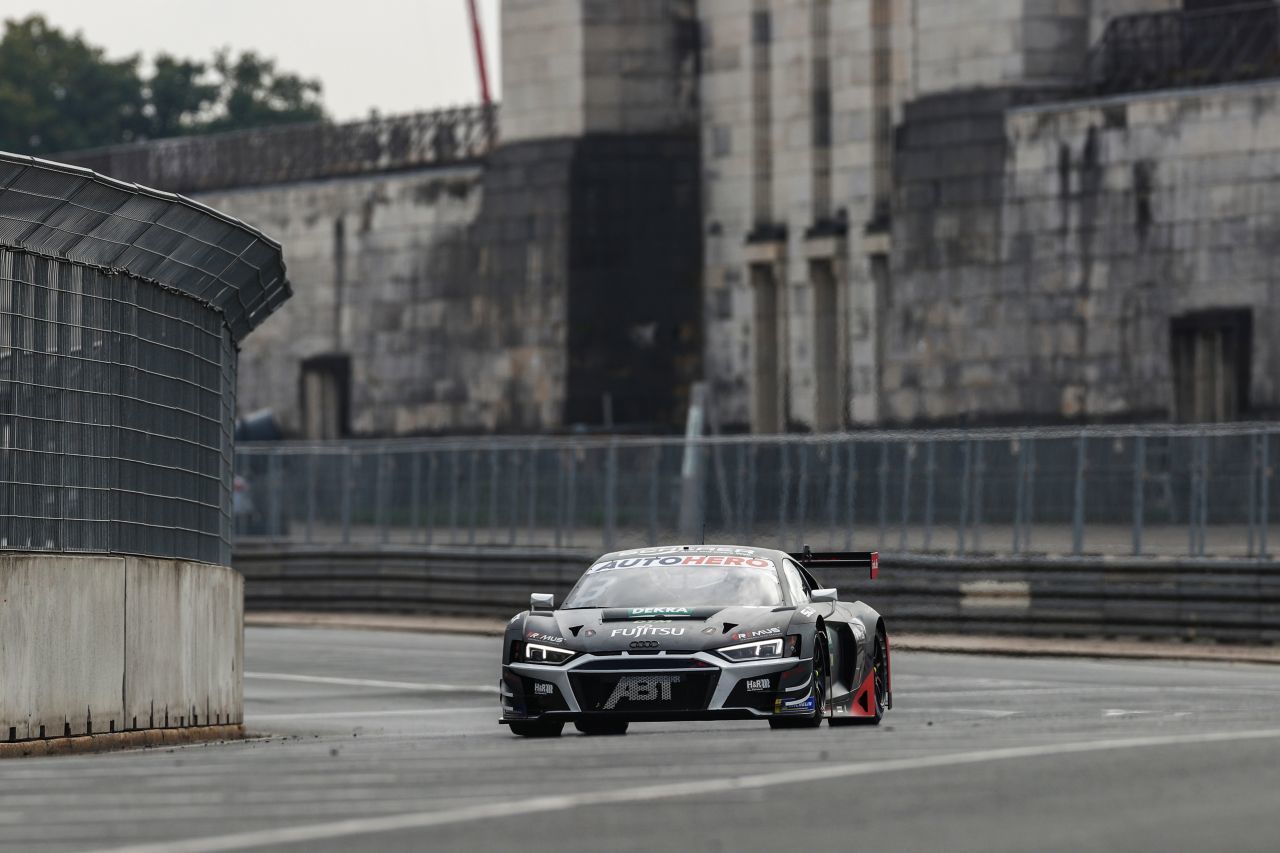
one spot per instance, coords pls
(663, 686)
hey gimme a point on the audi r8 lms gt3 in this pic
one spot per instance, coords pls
(697, 632)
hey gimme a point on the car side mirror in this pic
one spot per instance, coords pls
(824, 596)
(542, 601)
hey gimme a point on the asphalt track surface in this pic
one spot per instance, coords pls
(384, 741)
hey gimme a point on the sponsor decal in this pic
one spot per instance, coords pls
(644, 644)
(646, 631)
(701, 549)
(808, 612)
(758, 685)
(708, 630)
(652, 612)
(649, 688)
(590, 632)
(793, 705)
(751, 635)
(543, 688)
(683, 560)
(858, 631)
(543, 638)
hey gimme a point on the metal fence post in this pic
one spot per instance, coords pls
(415, 494)
(979, 469)
(515, 497)
(908, 457)
(655, 467)
(379, 496)
(611, 492)
(561, 494)
(572, 504)
(493, 495)
(784, 463)
(851, 495)
(1253, 491)
(742, 491)
(1264, 509)
(1019, 487)
(966, 485)
(1139, 491)
(884, 490)
(311, 495)
(533, 495)
(930, 461)
(346, 495)
(473, 488)
(833, 491)
(802, 494)
(455, 485)
(1204, 491)
(1077, 513)
(748, 531)
(1030, 494)
(431, 498)
(274, 481)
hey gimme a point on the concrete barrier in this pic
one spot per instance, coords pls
(1224, 600)
(93, 644)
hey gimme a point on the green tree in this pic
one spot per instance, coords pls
(178, 98)
(58, 93)
(252, 93)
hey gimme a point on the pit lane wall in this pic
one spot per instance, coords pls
(95, 644)
(1149, 598)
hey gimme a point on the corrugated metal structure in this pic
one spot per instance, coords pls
(121, 309)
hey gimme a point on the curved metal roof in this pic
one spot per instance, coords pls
(80, 216)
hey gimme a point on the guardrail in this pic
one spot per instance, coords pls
(1145, 491)
(1231, 601)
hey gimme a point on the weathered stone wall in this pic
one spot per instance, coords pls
(380, 269)
(1036, 279)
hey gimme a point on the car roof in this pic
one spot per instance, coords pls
(734, 550)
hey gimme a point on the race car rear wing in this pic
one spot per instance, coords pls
(869, 560)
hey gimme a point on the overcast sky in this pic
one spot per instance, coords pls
(394, 56)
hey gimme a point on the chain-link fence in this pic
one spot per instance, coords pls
(1131, 491)
(120, 309)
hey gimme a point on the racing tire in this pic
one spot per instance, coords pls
(601, 727)
(881, 682)
(536, 728)
(821, 669)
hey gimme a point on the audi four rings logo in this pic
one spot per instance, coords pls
(644, 644)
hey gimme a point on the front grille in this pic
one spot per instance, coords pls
(681, 690)
(645, 662)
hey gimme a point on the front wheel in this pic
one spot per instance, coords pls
(820, 670)
(536, 728)
(601, 727)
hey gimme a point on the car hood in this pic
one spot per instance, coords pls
(674, 629)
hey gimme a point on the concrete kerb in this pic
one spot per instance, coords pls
(146, 738)
(940, 643)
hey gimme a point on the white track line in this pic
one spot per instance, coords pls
(536, 805)
(403, 712)
(415, 686)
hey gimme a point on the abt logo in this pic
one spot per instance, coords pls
(650, 688)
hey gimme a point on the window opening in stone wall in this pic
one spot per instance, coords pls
(326, 394)
(828, 392)
(766, 410)
(1211, 352)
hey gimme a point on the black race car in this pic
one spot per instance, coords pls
(697, 632)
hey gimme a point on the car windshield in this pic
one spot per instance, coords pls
(686, 580)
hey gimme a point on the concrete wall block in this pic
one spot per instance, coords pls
(184, 647)
(61, 644)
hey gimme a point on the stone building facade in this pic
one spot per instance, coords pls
(840, 213)
(922, 212)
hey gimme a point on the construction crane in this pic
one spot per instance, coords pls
(482, 68)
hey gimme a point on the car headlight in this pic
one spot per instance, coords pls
(538, 653)
(761, 650)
